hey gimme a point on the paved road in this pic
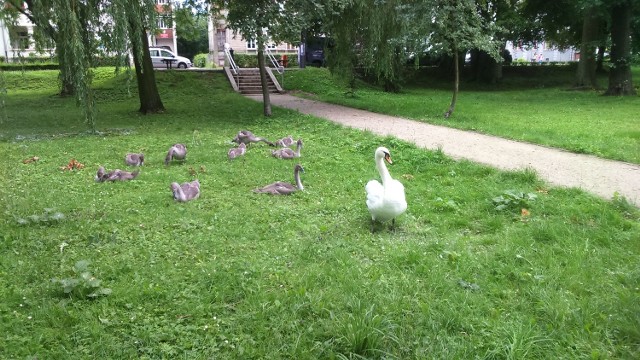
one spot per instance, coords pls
(598, 176)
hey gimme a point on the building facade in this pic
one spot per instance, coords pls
(220, 34)
(541, 53)
(166, 34)
(16, 40)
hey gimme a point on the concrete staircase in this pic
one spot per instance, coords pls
(247, 81)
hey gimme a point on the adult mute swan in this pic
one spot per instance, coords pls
(385, 201)
(284, 188)
(187, 191)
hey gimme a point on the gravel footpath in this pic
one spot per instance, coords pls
(558, 167)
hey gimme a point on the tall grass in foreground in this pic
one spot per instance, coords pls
(467, 273)
(541, 110)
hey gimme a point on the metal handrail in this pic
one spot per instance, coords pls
(232, 62)
(277, 65)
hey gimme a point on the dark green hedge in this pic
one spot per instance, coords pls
(46, 63)
(251, 60)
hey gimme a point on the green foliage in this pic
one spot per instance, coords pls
(48, 217)
(246, 60)
(83, 284)
(513, 200)
(251, 60)
(235, 274)
(200, 60)
(538, 107)
(50, 63)
(363, 333)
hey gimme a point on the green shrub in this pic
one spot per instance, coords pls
(200, 60)
(251, 60)
(246, 60)
(82, 284)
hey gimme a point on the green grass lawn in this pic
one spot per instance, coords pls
(484, 263)
(539, 110)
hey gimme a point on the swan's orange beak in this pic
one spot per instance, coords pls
(388, 158)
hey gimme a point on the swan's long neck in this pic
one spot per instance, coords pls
(298, 149)
(382, 169)
(296, 175)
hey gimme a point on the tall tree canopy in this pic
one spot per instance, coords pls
(82, 29)
(264, 20)
(557, 22)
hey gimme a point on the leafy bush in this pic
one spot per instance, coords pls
(48, 217)
(251, 60)
(246, 60)
(513, 200)
(83, 284)
(200, 60)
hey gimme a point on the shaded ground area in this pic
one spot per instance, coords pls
(561, 168)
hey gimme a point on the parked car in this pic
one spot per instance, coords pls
(158, 54)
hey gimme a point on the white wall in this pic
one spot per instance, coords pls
(533, 54)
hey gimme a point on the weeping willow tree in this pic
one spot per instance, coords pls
(79, 28)
(45, 32)
(128, 31)
(369, 36)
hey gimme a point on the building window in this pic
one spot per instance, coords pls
(20, 38)
(253, 45)
(163, 2)
(165, 22)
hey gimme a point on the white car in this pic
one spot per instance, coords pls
(158, 54)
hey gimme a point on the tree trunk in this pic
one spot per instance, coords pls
(266, 101)
(620, 82)
(302, 58)
(66, 84)
(456, 82)
(600, 60)
(586, 73)
(484, 68)
(148, 94)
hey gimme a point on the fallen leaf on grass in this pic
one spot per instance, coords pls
(30, 160)
(72, 165)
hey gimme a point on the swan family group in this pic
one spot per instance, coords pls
(385, 200)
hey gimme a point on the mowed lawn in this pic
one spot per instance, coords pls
(484, 263)
(532, 104)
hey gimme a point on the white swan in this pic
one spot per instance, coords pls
(385, 201)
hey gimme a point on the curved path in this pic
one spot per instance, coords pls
(562, 168)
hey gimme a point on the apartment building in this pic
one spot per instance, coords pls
(220, 34)
(166, 34)
(16, 41)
